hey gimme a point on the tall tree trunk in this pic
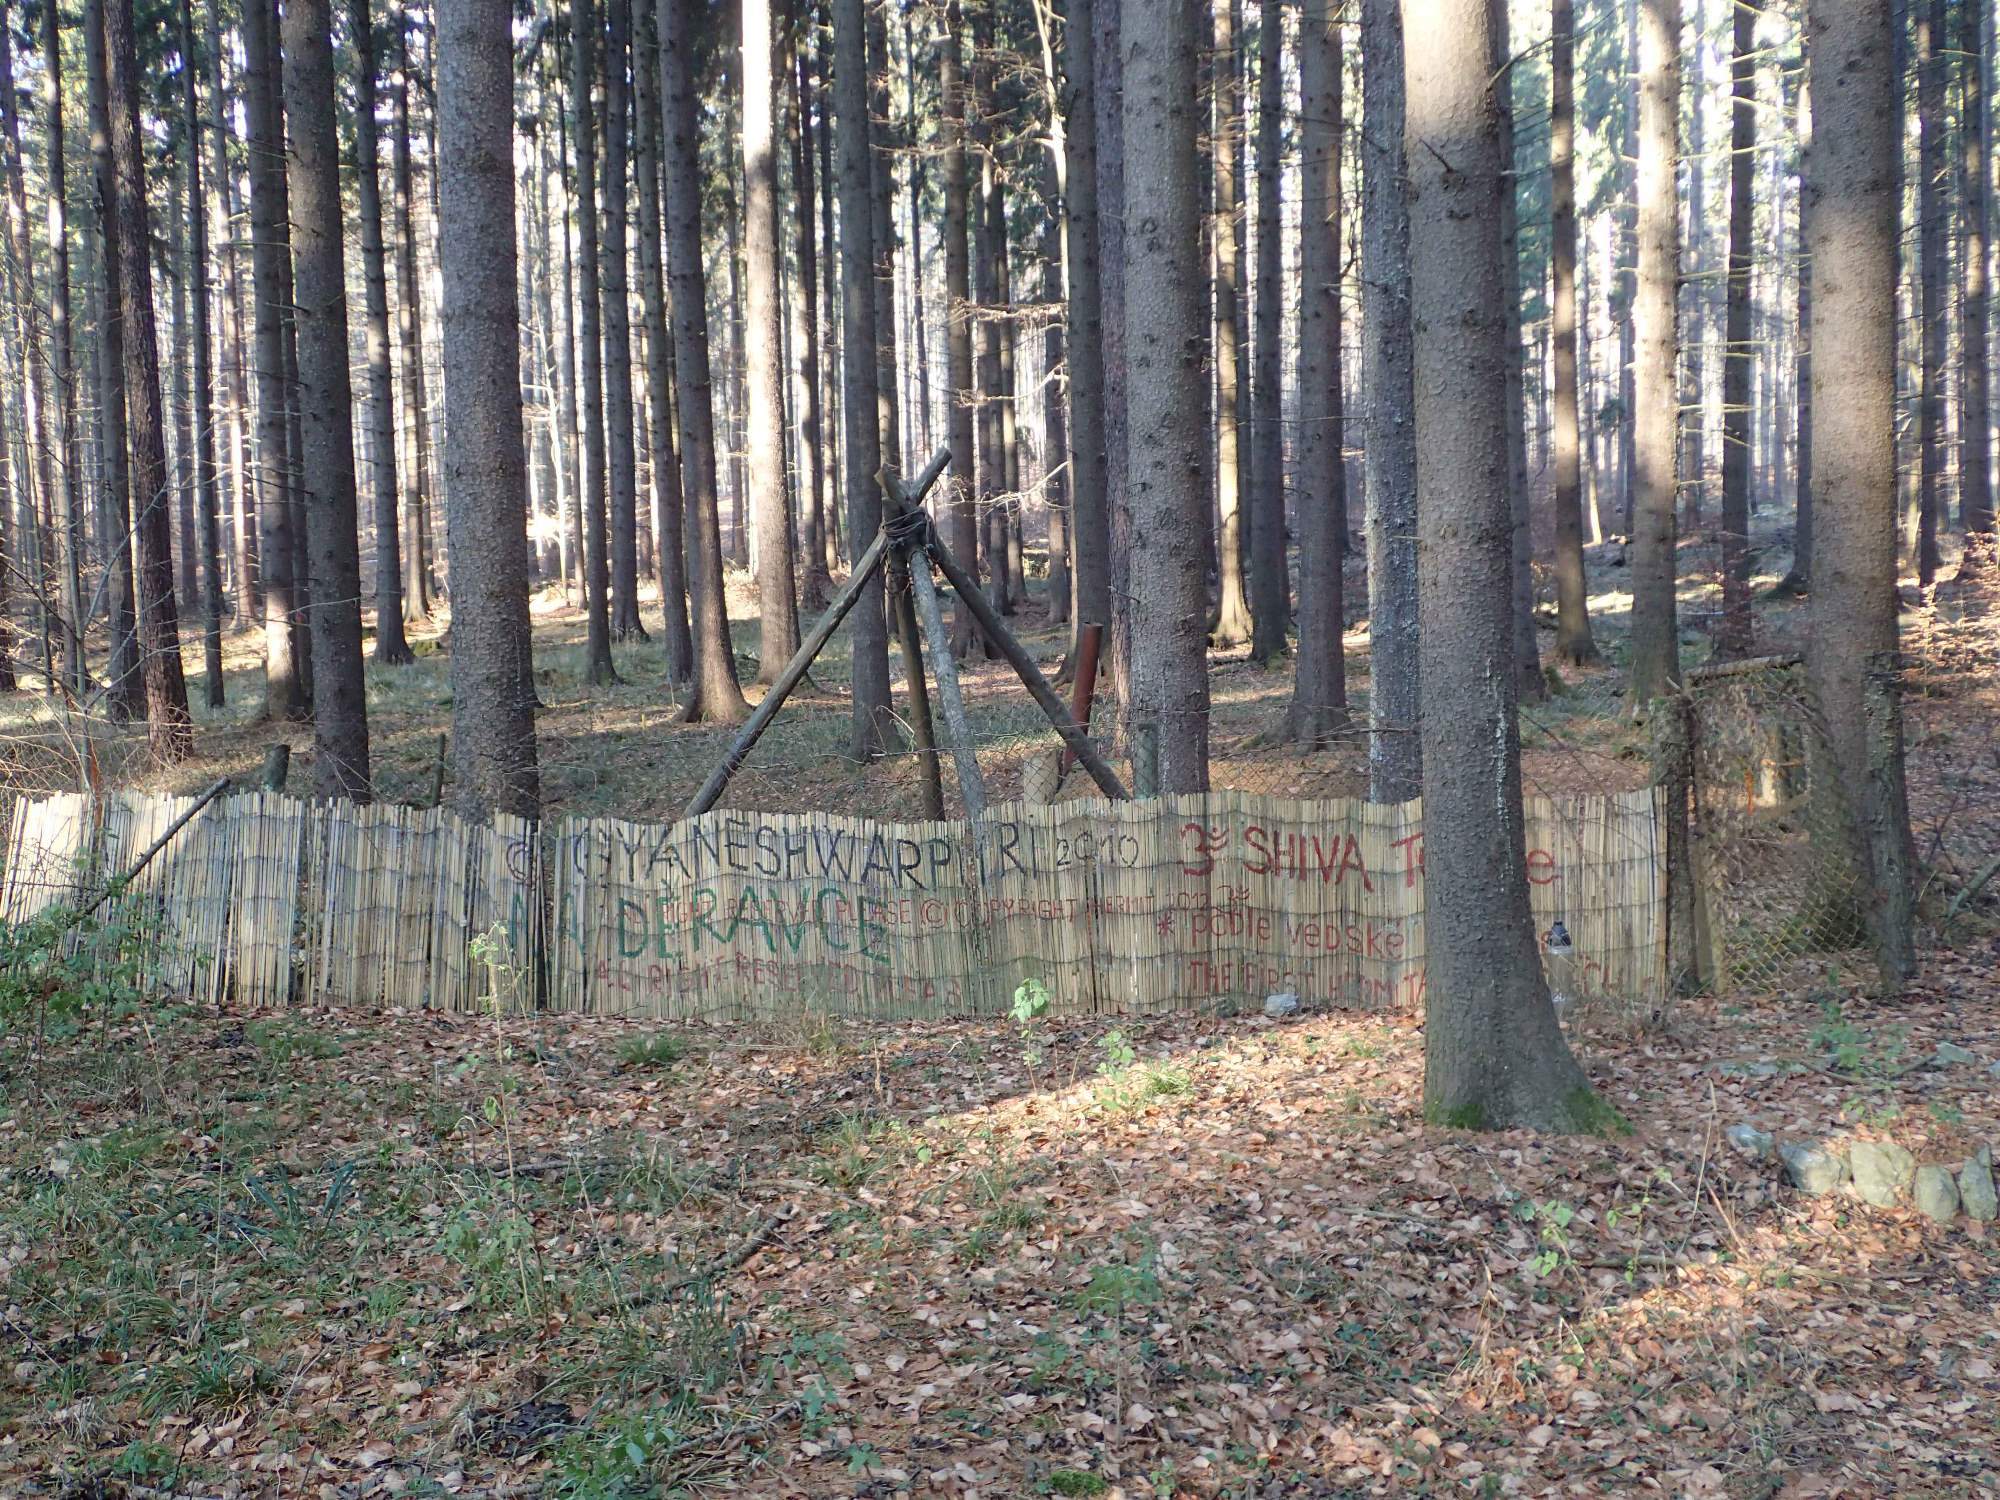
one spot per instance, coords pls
(963, 492)
(1574, 645)
(247, 587)
(1162, 312)
(716, 695)
(1851, 188)
(326, 405)
(208, 528)
(1108, 98)
(1975, 499)
(985, 214)
(1738, 355)
(566, 336)
(625, 622)
(1692, 300)
(171, 267)
(777, 602)
(829, 318)
(874, 732)
(1798, 578)
(1628, 287)
(486, 482)
(882, 232)
(1932, 233)
(1494, 1054)
(1232, 614)
(584, 35)
(1395, 759)
(1270, 605)
(391, 648)
(128, 696)
(1008, 584)
(1055, 373)
(667, 484)
(816, 588)
(1655, 667)
(170, 731)
(1319, 694)
(1090, 543)
(69, 548)
(409, 333)
(1527, 659)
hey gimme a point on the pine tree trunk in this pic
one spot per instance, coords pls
(1527, 659)
(1733, 636)
(777, 601)
(1691, 301)
(1494, 1055)
(669, 542)
(1090, 543)
(716, 695)
(585, 32)
(486, 483)
(1162, 311)
(881, 194)
(1655, 665)
(1628, 288)
(170, 731)
(1851, 193)
(990, 557)
(1231, 627)
(1798, 578)
(243, 539)
(207, 540)
(1395, 760)
(1269, 604)
(128, 697)
(409, 333)
(62, 398)
(572, 440)
(1108, 94)
(874, 731)
(179, 354)
(616, 303)
(1932, 233)
(1007, 556)
(960, 505)
(1976, 418)
(1319, 694)
(391, 649)
(816, 587)
(326, 405)
(1055, 430)
(1574, 645)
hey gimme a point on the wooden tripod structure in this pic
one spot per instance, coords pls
(908, 545)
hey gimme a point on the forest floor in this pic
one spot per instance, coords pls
(342, 1255)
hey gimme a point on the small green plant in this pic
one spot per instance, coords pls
(1076, 1482)
(1119, 1285)
(493, 1250)
(145, 1463)
(659, 1049)
(1031, 1003)
(1117, 1050)
(1554, 1218)
(616, 1461)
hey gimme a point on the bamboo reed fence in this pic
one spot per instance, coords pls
(1125, 907)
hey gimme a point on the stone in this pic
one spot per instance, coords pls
(1277, 1007)
(1949, 1054)
(1882, 1172)
(1975, 1187)
(1751, 1141)
(1936, 1194)
(1812, 1168)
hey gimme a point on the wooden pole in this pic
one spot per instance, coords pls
(156, 846)
(971, 786)
(921, 728)
(1024, 668)
(866, 568)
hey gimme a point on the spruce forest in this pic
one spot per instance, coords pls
(1397, 602)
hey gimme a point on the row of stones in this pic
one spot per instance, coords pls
(1882, 1174)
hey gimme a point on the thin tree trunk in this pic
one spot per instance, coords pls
(881, 197)
(617, 323)
(1574, 644)
(492, 674)
(1090, 543)
(170, 731)
(1108, 98)
(391, 648)
(208, 515)
(409, 333)
(1527, 656)
(326, 404)
(1798, 579)
(1494, 1054)
(1319, 695)
(777, 601)
(584, 33)
(243, 543)
(1162, 310)
(172, 268)
(128, 698)
(1269, 604)
(1851, 188)
(874, 733)
(960, 504)
(1055, 372)
(1395, 759)
(1976, 419)
(1932, 235)
(1232, 615)
(716, 696)
(1738, 355)
(572, 432)
(816, 587)
(669, 543)
(63, 370)
(1628, 288)
(1655, 665)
